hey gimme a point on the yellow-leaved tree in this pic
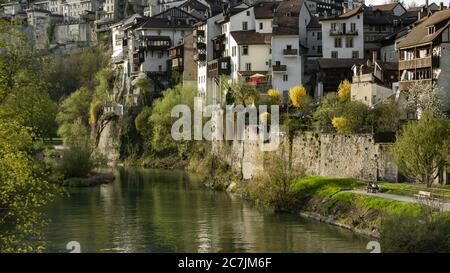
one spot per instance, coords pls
(344, 90)
(274, 96)
(341, 125)
(296, 95)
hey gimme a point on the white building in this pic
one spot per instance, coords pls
(369, 84)
(264, 43)
(343, 35)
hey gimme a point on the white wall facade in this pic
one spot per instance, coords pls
(369, 93)
(294, 64)
(343, 52)
(266, 25)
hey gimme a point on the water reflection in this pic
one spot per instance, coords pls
(169, 211)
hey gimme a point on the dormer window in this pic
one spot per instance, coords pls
(431, 30)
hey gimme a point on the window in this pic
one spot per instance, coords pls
(319, 36)
(288, 47)
(248, 13)
(334, 54)
(355, 54)
(431, 30)
(353, 27)
(245, 50)
(285, 77)
(160, 67)
(233, 51)
(333, 26)
(160, 55)
(244, 25)
(261, 25)
(337, 42)
(349, 42)
(248, 66)
(319, 49)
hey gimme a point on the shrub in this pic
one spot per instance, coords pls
(416, 234)
(341, 125)
(77, 160)
(95, 111)
(344, 90)
(273, 187)
(274, 97)
(296, 95)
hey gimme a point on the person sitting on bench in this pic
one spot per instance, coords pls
(372, 187)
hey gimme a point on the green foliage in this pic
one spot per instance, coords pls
(355, 113)
(23, 95)
(77, 160)
(329, 108)
(416, 234)
(73, 108)
(422, 148)
(67, 73)
(274, 187)
(385, 116)
(161, 120)
(33, 108)
(145, 128)
(325, 186)
(22, 191)
(242, 93)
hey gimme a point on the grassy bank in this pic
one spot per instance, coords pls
(329, 197)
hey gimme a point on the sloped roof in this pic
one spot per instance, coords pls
(314, 23)
(386, 7)
(265, 10)
(250, 37)
(291, 6)
(345, 15)
(419, 34)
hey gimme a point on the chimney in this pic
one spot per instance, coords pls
(427, 7)
(442, 6)
(374, 56)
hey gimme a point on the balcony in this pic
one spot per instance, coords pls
(175, 53)
(405, 85)
(198, 33)
(220, 66)
(338, 32)
(279, 68)
(199, 45)
(415, 63)
(199, 57)
(177, 64)
(290, 52)
(138, 56)
(155, 42)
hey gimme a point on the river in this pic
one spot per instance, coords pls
(148, 210)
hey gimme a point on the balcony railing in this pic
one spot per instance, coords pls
(336, 32)
(415, 63)
(220, 66)
(290, 52)
(279, 68)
